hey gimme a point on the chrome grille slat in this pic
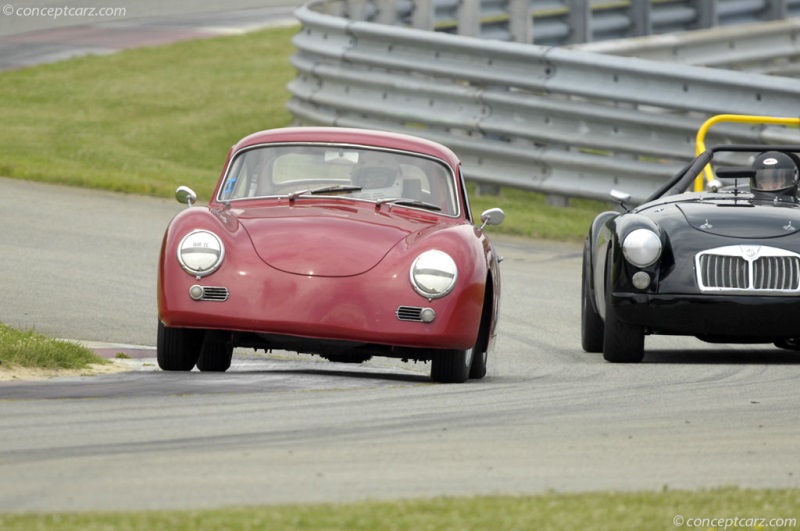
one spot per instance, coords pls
(748, 268)
(211, 293)
(409, 313)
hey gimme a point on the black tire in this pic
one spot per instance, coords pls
(451, 366)
(478, 368)
(216, 354)
(592, 327)
(177, 349)
(622, 342)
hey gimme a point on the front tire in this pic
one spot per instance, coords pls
(177, 349)
(451, 365)
(622, 342)
(216, 354)
(591, 323)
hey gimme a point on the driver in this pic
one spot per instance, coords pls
(776, 175)
(379, 176)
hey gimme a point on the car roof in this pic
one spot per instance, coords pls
(343, 135)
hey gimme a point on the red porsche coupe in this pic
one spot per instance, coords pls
(344, 243)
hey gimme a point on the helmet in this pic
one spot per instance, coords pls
(776, 173)
(378, 174)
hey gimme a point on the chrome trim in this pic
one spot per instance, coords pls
(212, 293)
(189, 270)
(422, 292)
(415, 314)
(409, 313)
(754, 269)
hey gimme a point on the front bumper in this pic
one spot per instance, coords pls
(733, 318)
(352, 309)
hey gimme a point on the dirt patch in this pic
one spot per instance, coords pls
(28, 373)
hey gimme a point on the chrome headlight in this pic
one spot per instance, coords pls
(642, 247)
(200, 253)
(433, 274)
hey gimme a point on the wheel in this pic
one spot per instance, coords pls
(480, 354)
(591, 322)
(451, 366)
(478, 368)
(622, 343)
(177, 349)
(216, 353)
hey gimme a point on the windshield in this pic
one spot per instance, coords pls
(361, 173)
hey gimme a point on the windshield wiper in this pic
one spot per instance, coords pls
(323, 190)
(409, 202)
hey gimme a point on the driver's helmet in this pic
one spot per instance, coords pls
(378, 175)
(776, 173)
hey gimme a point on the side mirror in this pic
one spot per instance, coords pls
(185, 195)
(493, 216)
(621, 198)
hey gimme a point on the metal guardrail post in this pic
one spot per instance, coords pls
(469, 18)
(580, 21)
(640, 13)
(423, 14)
(520, 23)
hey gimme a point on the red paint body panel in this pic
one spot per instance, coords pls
(325, 268)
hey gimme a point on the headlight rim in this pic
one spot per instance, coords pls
(205, 272)
(636, 252)
(420, 291)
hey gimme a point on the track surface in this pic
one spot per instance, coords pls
(286, 428)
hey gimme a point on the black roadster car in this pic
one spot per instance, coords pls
(721, 264)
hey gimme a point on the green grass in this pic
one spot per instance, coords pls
(27, 348)
(144, 120)
(595, 511)
(528, 215)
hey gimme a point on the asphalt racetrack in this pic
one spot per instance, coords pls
(287, 428)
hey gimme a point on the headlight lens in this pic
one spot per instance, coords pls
(200, 253)
(433, 274)
(642, 247)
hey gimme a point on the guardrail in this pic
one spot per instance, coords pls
(564, 122)
(560, 22)
(767, 48)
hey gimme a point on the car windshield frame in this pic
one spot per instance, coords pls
(373, 174)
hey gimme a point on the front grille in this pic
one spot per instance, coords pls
(750, 268)
(409, 313)
(215, 294)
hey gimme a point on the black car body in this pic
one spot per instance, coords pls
(728, 269)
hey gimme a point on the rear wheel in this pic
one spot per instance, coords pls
(451, 365)
(591, 322)
(216, 354)
(177, 349)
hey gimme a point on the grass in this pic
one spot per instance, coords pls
(144, 120)
(27, 348)
(596, 511)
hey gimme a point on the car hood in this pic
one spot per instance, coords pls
(327, 240)
(743, 220)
